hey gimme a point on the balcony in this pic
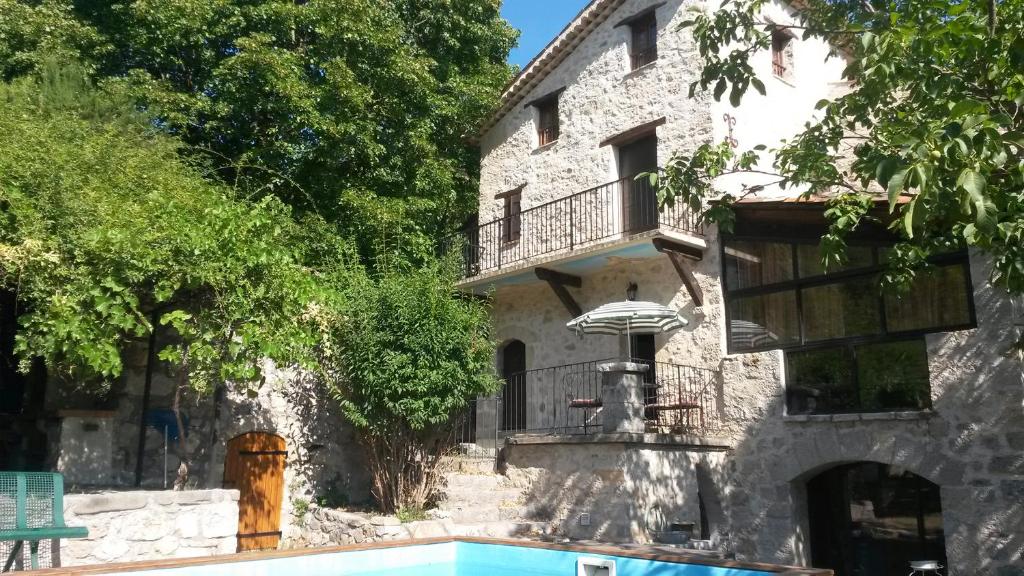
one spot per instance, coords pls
(679, 401)
(604, 216)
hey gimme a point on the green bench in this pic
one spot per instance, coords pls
(32, 509)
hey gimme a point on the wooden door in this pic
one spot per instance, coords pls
(255, 466)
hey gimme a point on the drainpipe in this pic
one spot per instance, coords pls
(147, 389)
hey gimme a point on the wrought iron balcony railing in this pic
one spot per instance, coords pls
(617, 210)
(567, 399)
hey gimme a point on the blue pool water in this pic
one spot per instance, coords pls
(443, 559)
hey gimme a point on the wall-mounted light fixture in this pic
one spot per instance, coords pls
(631, 291)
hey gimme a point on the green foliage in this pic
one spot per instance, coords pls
(300, 507)
(103, 226)
(407, 352)
(406, 515)
(934, 118)
(239, 160)
(32, 33)
(403, 356)
(357, 110)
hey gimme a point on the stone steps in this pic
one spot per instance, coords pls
(474, 494)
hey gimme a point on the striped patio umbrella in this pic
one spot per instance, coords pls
(627, 318)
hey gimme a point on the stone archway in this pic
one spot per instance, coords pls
(815, 448)
(867, 518)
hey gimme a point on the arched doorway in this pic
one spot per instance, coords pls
(872, 519)
(254, 465)
(513, 392)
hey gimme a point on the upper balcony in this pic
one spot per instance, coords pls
(614, 216)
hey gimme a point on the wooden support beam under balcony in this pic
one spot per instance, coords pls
(558, 282)
(682, 257)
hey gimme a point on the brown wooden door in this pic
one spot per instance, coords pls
(255, 466)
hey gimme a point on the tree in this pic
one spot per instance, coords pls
(403, 357)
(103, 227)
(934, 119)
(356, 110)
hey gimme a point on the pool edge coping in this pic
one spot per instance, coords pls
(608, 549)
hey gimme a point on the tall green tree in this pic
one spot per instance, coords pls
(104, 230)
(357, 110)
(934, 118)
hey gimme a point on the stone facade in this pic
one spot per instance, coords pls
(323, 461)
(326, 526)
(141, 525)
(613, 491)
(969, 442)
(602, 98)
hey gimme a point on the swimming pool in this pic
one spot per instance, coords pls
(446, 557)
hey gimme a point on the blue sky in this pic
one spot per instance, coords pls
(538, 21)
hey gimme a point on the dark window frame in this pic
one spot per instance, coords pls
(850, 348)
(643, 40)
(798, 284)
(548, 121)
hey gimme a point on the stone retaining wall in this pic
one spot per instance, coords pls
(149, 525)
(327, 526)
(614, 491)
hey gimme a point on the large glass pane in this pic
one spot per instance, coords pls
(893, 376)
(871, 519)
(809, 259)
(749, 264)
(841, 310)
(937, 299)
(820, 381)
(762, 322)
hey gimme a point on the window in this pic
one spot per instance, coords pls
(782, 53)
(873, 377)
(849, 348)
(643, 40)
(547, 120)
(511, 219)
(779, 296)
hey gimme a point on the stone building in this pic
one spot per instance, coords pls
(800, 416)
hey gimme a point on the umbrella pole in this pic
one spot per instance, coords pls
(629, 343)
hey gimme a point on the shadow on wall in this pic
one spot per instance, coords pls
(627, 492)
(972, 446)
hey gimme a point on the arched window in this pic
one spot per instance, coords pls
(873, 519)
(512, 363)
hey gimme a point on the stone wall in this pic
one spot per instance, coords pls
(615, 491)
(323, 461)
(148, 525)
(326, 526)
(602, 98)
(533, 314)
(971, 443)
